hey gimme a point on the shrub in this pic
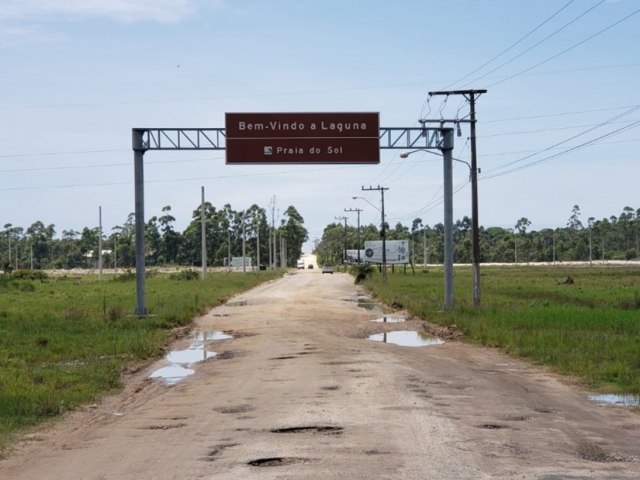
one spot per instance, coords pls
(185, 275)
(29, 275)
(361, 271)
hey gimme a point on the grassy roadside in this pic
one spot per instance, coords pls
(580, 321)
(65, 341)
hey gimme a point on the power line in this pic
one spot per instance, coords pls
(565, 152)
(103, 165)
(73, 152)
(557, 114)
(541, 130)
(513, 45)
(568, 49)
(552, 34)
(189, 179)
(602, 124)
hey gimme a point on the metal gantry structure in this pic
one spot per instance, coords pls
(393, 138)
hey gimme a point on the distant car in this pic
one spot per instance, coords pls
(310, 266)
(327, 269)
(300, 264)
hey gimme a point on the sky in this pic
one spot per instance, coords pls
(559, 125)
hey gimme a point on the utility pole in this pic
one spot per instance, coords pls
(358, 210)
(344, 250)
(258, 244)
(244, 244)
(203, 236)
(471, 96)
(99, 244)
(383, 230)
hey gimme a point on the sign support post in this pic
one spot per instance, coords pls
(138, 156)
(342, 138)
(447, 161)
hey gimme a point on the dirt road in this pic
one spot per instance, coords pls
(301, 393)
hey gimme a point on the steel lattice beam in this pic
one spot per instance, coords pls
(397, 138)
(412, 138)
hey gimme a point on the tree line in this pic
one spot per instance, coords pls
(37, 246)
(613, 238)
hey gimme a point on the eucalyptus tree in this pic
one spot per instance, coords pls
(295, 234)
(66, 250)
(170, 238)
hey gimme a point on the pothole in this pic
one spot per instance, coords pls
(212, 336)
(327, 429)
(180, 361)
(595, 453)
(215, 451)
(229, 354)
(389, 319)
(493, 426)
(238, 303)
(244, 408)
(407, 338)
(276, 461)
(371, 306)
(164, 427)
(617, 400)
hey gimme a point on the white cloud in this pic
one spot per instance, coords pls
(164, 11)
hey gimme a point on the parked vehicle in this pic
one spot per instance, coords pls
(327, 269)
(300, 264)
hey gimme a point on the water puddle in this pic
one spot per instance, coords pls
(371, 306)
(619, 400)
(407, 338)
(238, 303)
(212, 336)
(389, 319)
(180, 361)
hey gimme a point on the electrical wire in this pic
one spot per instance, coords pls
(565, 152)
(566, 50)
(541, 130)
(103, 165)
(557, 114)
(189, 179)
(552, 34)
(600, 125)
(513, 45)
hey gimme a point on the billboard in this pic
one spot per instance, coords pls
(397, 251)
(351, 256)
(238, 262)
(319, 138)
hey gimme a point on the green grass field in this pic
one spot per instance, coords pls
(589, 329)
(65, 341)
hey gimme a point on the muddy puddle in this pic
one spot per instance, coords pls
(389, 319)
(407, 338)
(365, 302)
(181, 361)
(371, 306)
(619, 400)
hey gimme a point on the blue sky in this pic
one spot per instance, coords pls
(77, 75)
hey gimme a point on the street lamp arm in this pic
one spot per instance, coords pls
(406, 155)
(362, 198)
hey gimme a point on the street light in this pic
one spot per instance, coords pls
(406, 155)
(475, 231)
(362, 198)
(383, 227)
(357, 210)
